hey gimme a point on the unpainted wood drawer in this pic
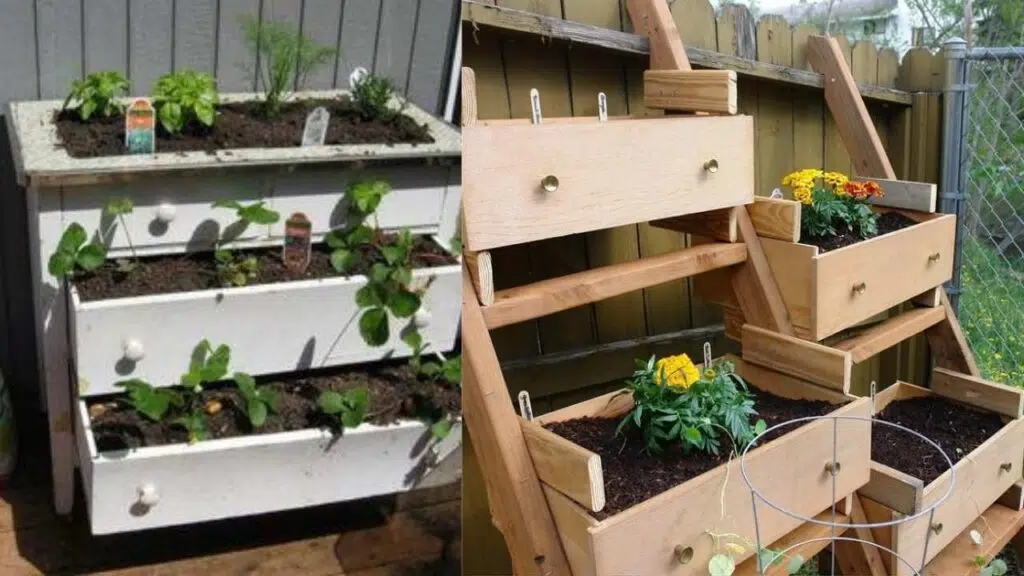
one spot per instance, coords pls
(270, 328)
(608, 174)
(174, 213)
(161, 486)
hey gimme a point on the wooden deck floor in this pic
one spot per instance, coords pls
(415, 533)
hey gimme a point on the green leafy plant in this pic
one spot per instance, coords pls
(285, 58)
(74, 254)
(259, 400)
(349, 407)
(150, 401)
(185, 97)
(232, 271)
(344, 245)
(372, 96)
(728, 547)
(118, 207)
(997, 567)
(387, 290)
(674, 402)
(97, 93)
(833, 204)
(255, 213)
(208, 364)
(235, 270)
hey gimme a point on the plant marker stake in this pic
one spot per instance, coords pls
(535, 105)
(874, 386)
(707, 355)
(525, 409)
(357, 76)
(140, 127)
(315, 131)
(602, 107)
(297, 247)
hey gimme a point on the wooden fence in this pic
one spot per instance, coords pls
(566, 357)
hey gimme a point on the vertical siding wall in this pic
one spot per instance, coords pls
(793, 130)
(47, 44)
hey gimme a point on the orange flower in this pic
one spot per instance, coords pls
(854, 189)
(873, 189)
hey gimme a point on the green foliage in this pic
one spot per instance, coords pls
(344, 245)
(259, 400)
(73, 254)
(195, 424)
(97, 93)
(449, 371)
(349, 407)
(148, 400)
(207, 365)
(372, 96)
(185, 97)
(694, 416)
(255, 213)
(830, 214)
(232, 271)
(997, 567)
(285, 58)
(387, 290)
(118, 207)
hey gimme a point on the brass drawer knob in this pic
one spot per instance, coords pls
(711, 166)
(549, 183)
(937, 528)
(833, 468)
(860, 288)
(934, 257)
(1006, 466)
(683, 554)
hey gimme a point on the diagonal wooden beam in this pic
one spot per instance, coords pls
(946, 339)
(654, 20)
(512, 484)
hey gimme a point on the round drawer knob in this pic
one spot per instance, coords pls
(421, 318)
(549, 183)
(937, 528)
(166, 212)
(148, 495)
(1006, 466)
(833, 468)
(711, 166)
(133, 350)
(934, 257)
(683, 554)
(860, 288)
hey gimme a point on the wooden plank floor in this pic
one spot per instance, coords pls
(414, 533)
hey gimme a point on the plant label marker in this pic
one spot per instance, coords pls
(707, 355)
(315, 131)
(140, 127)
(525, 409)
(535, 105)
(297, 247)
(357, 76)
(602, 107)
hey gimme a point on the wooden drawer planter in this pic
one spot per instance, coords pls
(827, 293)
(248, 475)
(643, 539)
(981, 476)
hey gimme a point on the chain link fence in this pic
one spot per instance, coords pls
(986, 91)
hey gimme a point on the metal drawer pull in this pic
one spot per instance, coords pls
(937, 528)
(1006, 466)
(833, 468)
(711, 166)
(934, 257)
(860, 288)
(683, 554)
(549, 183)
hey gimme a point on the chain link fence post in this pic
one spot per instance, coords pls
(951, 196)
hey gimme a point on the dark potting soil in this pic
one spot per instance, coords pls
(887, 222)
(394, 393)
(198, 271)
(956, 428)
(241, 125)
(632, 476)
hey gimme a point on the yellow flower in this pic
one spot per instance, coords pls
(836, 180)
(802, 195)
(709, 374)
(679, 372)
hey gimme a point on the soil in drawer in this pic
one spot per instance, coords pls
(198, 271)
(631, 476)
(395, 393)
(887, 222)
(958, 429)
(241, 125)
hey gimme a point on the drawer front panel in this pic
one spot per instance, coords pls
(175, 213)
(255, 475)
(857, 282)
(270, 329)
(608, 174)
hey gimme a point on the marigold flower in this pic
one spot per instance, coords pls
(679, 372)
(803, 195)
(873, 189)
(837, 180)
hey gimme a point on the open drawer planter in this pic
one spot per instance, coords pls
(270, 328)
(644, 538)
(828, 292)
(177, 484)
(982, 475)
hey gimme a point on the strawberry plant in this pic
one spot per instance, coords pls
(255, 213)
(118, 207)
(208, 364)
(237, 271)
(232, 271)
(74, 255)
(185, 97)
(259, 400)
(387, 290)
(348, 407)
(148, 400)
(97, 93)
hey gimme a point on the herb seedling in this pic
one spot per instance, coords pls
(74, 255)
(372, 96)
(259, 400)
(97, 93)
(208, 364)
(118, 207)
(148, 400)
(185, 97)
(349, 407)
(235, 272)
(285, 57)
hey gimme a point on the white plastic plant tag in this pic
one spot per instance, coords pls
(707, 355)
(602, 107)
(315, 131)
(535, 105)
(777, 193)
(874, 388)
(357, 76)
(525, 409)
(976, 537)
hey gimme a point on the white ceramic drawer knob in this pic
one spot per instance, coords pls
(148, 495)
(166, 212)
(133, 350)
(422, 318)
